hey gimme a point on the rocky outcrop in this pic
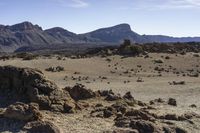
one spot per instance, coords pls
(41, 127)
(23, 112)
(30, 85)
(79, 92)
(23, 91)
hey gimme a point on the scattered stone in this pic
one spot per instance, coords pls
(196, 75)
(144, 126)
(112, 97)
(159, 100)
(140, 103)
(108, 60)
(108, 113)
(139, 115)
(180, 130)
(122, 122)
(193, 106)
(98, 105)
(140, 80)
(177, 83)
(172, 102)
(76, 73)
(196, 55)
(104, 112)
(159, 61)
(55, 69)
(128, 96)
(120, 107)
(167, 57)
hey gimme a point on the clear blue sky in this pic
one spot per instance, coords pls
(166, 17)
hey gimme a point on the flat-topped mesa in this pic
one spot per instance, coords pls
(30, 85)
(118, 29)
(122, 27)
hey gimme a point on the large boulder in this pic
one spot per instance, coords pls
(79, 92)
(30, 85)
(145, 126)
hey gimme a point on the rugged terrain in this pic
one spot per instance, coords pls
(163, 91)
(27, 36)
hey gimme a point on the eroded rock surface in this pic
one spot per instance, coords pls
(23, 112)
(30, 85)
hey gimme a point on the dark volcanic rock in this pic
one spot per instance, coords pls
(172, 102)
(41, 127)
(23, 112)
(79, 92)
(128, 96)
(122, 122)
(55, 69)
(113, 97)
(30, 85)
(145, 126)
(139, 115)
(105, 93)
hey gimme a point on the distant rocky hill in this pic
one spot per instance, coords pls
(116, 34)
(28, 35)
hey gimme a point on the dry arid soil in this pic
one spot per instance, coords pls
(157, 75)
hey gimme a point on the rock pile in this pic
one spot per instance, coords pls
(130, 118)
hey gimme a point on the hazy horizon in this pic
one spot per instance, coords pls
(177, 18)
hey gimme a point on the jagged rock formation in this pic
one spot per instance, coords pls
(30, 85)
(28, 35)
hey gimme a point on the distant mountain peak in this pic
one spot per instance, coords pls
(60, 31)
(117, 28)
(114, 34)
(123, 26)
(57, 29)
(25, 26)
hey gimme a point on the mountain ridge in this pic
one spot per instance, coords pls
(26, 34)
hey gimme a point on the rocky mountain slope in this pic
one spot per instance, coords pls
(116, 34)
(28, 35)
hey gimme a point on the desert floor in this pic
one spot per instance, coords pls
(121, 74)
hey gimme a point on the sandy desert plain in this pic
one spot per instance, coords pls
(160, 75)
